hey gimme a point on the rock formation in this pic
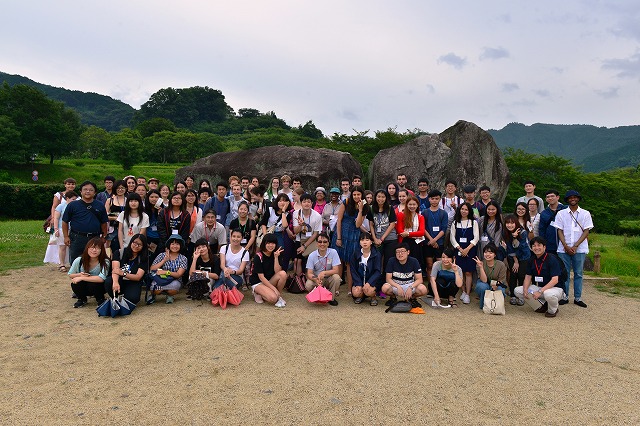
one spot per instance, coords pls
(463, 152)
(315, 167)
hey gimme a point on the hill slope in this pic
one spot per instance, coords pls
(94, 109)
(594, 148)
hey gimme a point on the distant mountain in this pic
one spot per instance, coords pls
(94, 109)
(594, 148)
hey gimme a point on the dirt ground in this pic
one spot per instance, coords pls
(191, 363)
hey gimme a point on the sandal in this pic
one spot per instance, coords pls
(374, 302)
(62, 268)
(453, 304)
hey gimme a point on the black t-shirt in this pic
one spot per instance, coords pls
(262, 264)
(547, 267)
(403, 274)
(245, 229)
(132, 265)
(212, 265)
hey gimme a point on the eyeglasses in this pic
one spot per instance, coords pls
(322, 242)
(136, 243)
(402, 251)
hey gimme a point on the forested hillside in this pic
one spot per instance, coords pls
(594, 148)
(93, 109)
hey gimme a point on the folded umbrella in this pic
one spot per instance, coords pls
(126, 306)
(215, 296)
(234, 296)
(319, 295)
(224, 297)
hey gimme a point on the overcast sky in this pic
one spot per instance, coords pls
(349, 64)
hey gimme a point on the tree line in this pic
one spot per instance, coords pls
(181, 125)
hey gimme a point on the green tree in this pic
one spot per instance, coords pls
(13, 150)
(186, 107)
(309, 130)
(125, 148)
(45, 126)
(153, 125)
(94, 141)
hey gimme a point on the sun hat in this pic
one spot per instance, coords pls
(176, 237)
(572, 193)
(334, 190)
(320, 189)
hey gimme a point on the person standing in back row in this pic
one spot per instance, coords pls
(87, 219)
(574, 224)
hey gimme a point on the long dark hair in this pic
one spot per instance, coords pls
(458, 216)
(127, 208)
(506, 234)
(127, 253)
(86, 259)
(485, 217)
(283, 197)
(527, 216)
(350, 205)
(375, 208)
(149, 207)
(183, 206)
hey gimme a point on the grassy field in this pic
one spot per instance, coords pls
(86, 169)
(22, 244)
(620, 257)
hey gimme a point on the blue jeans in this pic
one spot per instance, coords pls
(575, 262)
(481, 286)
(230, 282)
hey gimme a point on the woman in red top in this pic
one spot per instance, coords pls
(410, 228)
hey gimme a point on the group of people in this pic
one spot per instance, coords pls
(394, 243)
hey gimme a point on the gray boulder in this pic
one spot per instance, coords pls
(463, 152)
(316, 167)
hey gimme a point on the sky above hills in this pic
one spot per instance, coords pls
(346, 65)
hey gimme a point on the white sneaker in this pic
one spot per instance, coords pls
(280, 303)
(465, 298)
(281, 300)
(257, 297)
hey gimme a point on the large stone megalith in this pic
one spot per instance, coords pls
(315, 167)
(463, 152)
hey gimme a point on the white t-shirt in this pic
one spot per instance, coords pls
(313, 223)
(234, 260)
(132, 226)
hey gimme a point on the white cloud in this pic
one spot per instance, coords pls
(493, 53)
(454, 60)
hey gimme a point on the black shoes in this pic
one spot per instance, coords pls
(563, 301)
(333, 302)
(79, 303)
(551, 315)
(543, 308)
(580, 303)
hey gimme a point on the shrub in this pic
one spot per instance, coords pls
(27, 201)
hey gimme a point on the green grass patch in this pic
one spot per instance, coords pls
(22, 244)
(87, 169)
(618, 258)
